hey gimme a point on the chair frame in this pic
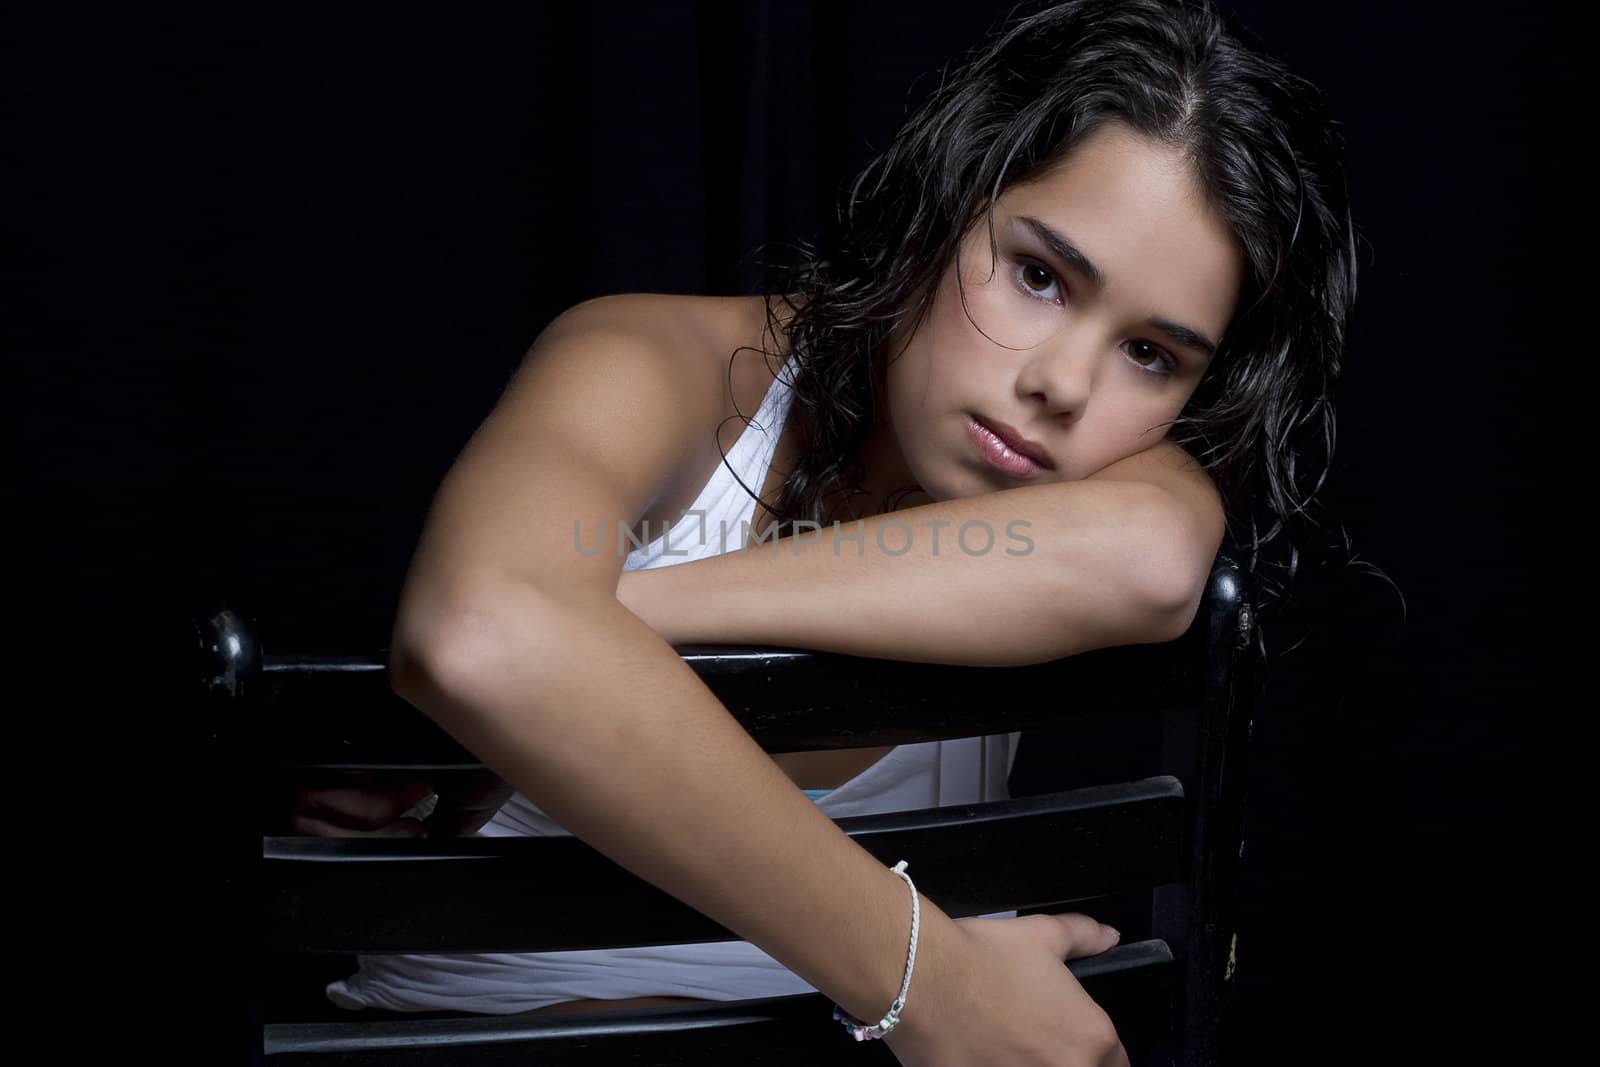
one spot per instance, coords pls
(1179, 837)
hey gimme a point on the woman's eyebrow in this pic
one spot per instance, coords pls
(1065, 251)
(1068, 253)
(1185, 336)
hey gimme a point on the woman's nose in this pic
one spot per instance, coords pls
(1061, 374)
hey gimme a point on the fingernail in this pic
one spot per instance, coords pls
(1116, 935)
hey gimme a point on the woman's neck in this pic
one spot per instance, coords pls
(889, 483)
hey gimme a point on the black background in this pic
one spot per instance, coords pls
(269, 266)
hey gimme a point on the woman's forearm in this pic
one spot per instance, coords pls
(1022, 576)
(589, 713)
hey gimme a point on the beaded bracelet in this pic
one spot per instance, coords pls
(862, 1031)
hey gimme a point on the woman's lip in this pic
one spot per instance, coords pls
(1018, 443)
(1001, 456)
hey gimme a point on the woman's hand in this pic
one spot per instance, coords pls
(1007, 999)
(379, 804)
(355, 804)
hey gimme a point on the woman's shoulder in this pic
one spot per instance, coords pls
(718, 355)
(731, 339)
(713, 326)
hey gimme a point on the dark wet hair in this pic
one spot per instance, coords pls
(1262, 146)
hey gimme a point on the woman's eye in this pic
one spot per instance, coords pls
(1037, 280)
(1148, 357)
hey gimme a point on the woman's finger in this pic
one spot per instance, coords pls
(357, 807)
(310, 826)
(1073, 935)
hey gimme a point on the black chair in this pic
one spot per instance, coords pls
(1159, 855)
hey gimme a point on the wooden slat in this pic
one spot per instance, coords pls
(556, 893)
(340, 711)
(774, 1032)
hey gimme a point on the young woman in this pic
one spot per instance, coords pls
(1088, 309)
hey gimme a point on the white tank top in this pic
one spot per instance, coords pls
(909, 777)
(720, 517)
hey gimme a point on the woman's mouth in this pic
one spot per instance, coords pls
(999, 455)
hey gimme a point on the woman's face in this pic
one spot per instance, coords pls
(1113, 278)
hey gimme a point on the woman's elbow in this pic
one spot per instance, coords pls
(1183, 551)
(432, 654)
(448, 659)
(1178, 615)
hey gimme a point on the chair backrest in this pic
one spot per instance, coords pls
(1170, 842)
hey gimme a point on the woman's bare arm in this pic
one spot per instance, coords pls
(516, 644)
(1119, 558)
(596, 719)
(514, 641)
